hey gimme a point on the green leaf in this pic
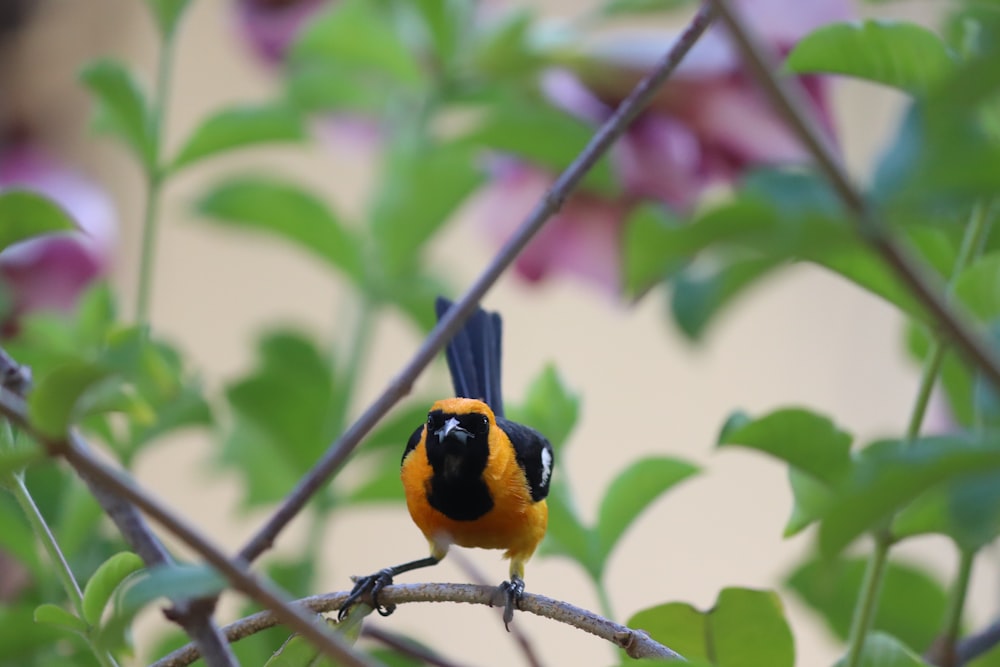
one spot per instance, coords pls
(287, 211)
(506, 47)
(890, 474)
(941, 158)
(395, 429)
(298, 651)
(812, 498)
(175, 582)
(549, 407)
(52, 404)
(882, 650)
(50, 614)
(445, 22)
(631, 492)
(15, 460)
(566, 534)
(25, 214)
(104, 581)
(24, 641)
(543, 135)
(899, 54)
(745, 628)
(697, 297)
(978, 287)
(185, 408)
(168, 14)
(748, 629)
(629, 7)
(383, 485)
(284, 413)
(676, 625)
(122, 108)
(967, 510)
(331, 87)
(805, 440)
(911, 605)
(354, 33)
(420, 190)
(239, 127)
(646, 257)
(266, 472)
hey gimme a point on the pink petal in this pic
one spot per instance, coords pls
(782, 23)
(581, 240)
(660, 158)
(50, 272)
(270, 26)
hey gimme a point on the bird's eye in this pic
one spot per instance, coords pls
(483, 424)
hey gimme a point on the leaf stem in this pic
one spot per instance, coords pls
(956, 604)
(868, 601)
(357, 350)
(48, 540)
(864, 611)
(63, 572)
(154, 182)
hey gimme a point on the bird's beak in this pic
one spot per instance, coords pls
(449, 426)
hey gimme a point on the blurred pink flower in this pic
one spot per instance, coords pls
(50, 272)
(708, 125)
(270, 26)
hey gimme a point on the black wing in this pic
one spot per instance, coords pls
(534, 455)
(474, 357)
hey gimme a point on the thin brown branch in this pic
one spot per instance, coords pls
(116, 483)
(788, 99)
(637, 643)
(600, 143)
(195, 619)
(971, 647)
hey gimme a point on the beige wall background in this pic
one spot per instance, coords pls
(802, 338)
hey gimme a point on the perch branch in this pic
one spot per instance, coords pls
(788, 100)
(550, 204)
(636, 643)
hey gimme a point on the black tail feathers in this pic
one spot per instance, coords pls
(474, 356)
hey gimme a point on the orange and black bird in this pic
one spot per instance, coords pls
(472, 477)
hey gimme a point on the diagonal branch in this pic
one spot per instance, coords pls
(116, 484)
(600, 143)
(788, 100)
(971, 647)
(196, 619)
(636, 643)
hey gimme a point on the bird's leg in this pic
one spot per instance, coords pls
(513, 592)
(373, 583)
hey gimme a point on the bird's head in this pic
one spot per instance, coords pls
(458, 432)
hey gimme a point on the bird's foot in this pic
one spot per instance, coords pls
(513, 592)
(370, 586)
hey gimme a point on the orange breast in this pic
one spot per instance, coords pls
(515, 522)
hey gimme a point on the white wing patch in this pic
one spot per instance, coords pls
(546, 466)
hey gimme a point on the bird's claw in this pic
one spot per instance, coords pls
(513, 592)
(371, 586)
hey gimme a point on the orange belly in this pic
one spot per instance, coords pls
(515, 523)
